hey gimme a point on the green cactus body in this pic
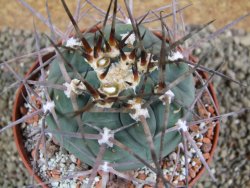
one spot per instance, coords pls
(120, 80)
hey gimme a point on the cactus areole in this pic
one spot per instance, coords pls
(118, 73)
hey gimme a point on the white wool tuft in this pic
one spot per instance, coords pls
(106, 135)
(113, 53)
(105, 166)
(175, 56)
(74, 86)
(77, 86)
(139, 111)
(48, 106)
(169, 94)
(182, 125)
(72, 42)
(68, 90)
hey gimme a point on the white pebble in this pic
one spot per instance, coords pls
(73, 158)
(55, 184)
(72, 167)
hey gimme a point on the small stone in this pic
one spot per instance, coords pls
(245, 40)
(173, 156)
(55, 174)
(51, 149)
(55, 141)
(202, 111)
(11, 167)
(193, 163)
(206, 140)
(72, 167)
(206, 155)
(23, 110)
(197, 51)
(78, 163)
(178, 167)
(210, 133)
(78, 185)
(197, 161)
(196, 168)
(55, 184)
(142, 176)
(211, 109)
(199, 140)
(33, 153)
(175, 182)
(168, 177)
(33, 119)
(192, 173)
(176, 178)
(181, 183)
(131, 185)
(98, 184)
(206, 147)
(230, 182)
(73, 158)
(199, 144)
(166, 165)
(80, 178)
(194, 128)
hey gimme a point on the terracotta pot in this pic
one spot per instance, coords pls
(25, 156)
(16, 114)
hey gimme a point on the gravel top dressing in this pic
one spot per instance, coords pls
(231, 164)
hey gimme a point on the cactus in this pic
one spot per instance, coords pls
(120, 96)
(110, 72)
